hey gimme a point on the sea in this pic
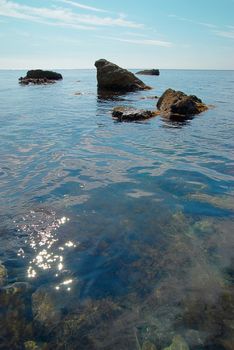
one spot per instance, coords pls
(116, 235)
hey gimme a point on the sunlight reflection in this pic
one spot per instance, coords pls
(40, 227)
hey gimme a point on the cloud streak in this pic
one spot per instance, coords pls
(228, 32)
(225, 33)
(204, 24)
(62, 17)
(84, 7)
(149, 42)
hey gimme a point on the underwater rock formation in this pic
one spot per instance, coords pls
(178, 343)
(15, 321)
(114, 78)
(3, 274)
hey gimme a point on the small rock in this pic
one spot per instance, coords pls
(131, 114)
(149, 72)
(114, 78)
(178, 343)
(176, 104)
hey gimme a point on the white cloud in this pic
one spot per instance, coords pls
(225, 33)
(213, 28)
(62, 17)
(150, 42)
(84, 7)
(204, 24)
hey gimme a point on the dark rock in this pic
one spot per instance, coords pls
(114, 78)
(41, 74)
(176, 104)
(131, 114)
(38, 77)
(149, 72)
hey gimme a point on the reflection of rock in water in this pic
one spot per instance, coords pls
(176, 291)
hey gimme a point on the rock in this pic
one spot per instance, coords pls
(39, 77)
(114, 78)
(131, 114)
(3, 274)
(178, 343)
(149, 72)
(147, 345)
(176, 104)
(41, 74)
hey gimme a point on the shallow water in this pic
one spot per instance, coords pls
(127, 226)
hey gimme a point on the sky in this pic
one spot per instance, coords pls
(174, 34)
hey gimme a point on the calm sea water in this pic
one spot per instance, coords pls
(127, 226)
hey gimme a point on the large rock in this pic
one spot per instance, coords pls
(176, 104)
(40, 76)
(149, 72)
(131, 114)
(114, 78)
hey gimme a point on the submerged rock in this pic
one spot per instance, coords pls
(176, 104)
(3, 274)
(15, 315)
(31, 345)
(147, 345)
(39, 76)
(178, 343)
(114, 78)
(149, 72)
(131, 114)
(47, 308)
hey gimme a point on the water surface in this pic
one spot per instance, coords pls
(123, 230)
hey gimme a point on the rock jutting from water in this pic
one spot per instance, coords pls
(131, 114)
(39, 76)
(114, 78)
(177, 105)
(149, 72)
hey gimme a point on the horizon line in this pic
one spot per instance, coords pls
(89, 68)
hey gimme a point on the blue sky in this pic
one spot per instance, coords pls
(132, 33)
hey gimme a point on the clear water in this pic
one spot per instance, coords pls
(128, 226)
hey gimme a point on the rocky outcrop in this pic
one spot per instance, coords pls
(149, 72)
(114, 78)
(176, 104)
(131, 114)
(39, 76)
